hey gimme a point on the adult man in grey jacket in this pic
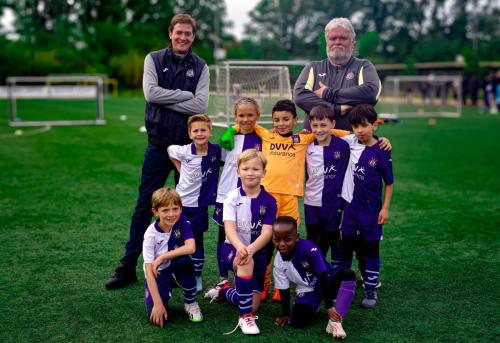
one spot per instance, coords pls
(340, 81)
(175, 85)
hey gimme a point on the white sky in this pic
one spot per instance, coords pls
(6, 20)
(237, 12)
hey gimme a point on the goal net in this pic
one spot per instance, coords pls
(421, 96)
(55, 100)
(233, 80)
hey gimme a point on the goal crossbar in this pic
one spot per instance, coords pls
(55, 87)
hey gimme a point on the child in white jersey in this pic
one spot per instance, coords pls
(167, 244)
(198, 164)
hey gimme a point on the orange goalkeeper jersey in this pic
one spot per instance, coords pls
(286, 159)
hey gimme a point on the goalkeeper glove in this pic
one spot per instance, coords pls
(227, 138)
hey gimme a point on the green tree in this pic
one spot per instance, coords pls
(284, 24)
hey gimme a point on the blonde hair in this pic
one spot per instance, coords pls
(250, 154)
(199, 118)
(165, 196)
(246, 101)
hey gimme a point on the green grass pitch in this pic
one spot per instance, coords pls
(67, 195)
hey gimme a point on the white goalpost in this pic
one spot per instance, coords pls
(266, 81)
(422, 96)
(55, 88)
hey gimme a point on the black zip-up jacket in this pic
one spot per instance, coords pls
(353, 83)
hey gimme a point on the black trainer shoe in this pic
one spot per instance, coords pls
(123, 277)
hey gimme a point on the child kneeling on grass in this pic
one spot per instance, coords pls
(301, 262)
(249, 212)
(168, 242)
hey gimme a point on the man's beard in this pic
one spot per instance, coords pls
(338, 57)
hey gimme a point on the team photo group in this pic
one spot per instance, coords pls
(251, 183)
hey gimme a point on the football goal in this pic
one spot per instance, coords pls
(267, 82)
(55, 100)
(422, 96)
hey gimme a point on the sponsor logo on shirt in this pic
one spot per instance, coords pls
(282, 149)
(329, 171)
(202, 174)
(359, 172)
(244, 227)
(282, 146)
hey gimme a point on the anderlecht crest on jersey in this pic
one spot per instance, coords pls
(336, 155)
(262, 210)
(372, 162)
(190, 73)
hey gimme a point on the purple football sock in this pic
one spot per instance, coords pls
(244, 287)
(344, 297)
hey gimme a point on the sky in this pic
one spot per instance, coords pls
(237, 12)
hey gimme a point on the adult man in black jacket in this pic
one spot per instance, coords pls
(340, 81)
(175, 85)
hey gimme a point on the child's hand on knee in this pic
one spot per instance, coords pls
(241, 253)
(157, 263)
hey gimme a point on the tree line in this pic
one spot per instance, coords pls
(113, 36)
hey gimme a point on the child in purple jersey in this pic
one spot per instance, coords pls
(326, 162)
(198, 164)
(249, 212)
(167, 244)
(364, 211)
(300, 262)
(246, 113)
